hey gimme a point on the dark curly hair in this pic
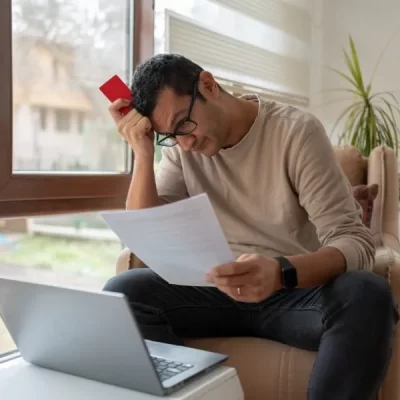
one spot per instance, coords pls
(163, 71)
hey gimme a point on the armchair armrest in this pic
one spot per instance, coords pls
(127, 260)
(382, 170)
(388, 265)
(123, 261)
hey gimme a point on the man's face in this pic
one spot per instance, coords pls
(209, 125)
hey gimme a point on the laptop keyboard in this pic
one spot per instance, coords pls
(167, 369)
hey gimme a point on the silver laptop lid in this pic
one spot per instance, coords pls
(80, 332)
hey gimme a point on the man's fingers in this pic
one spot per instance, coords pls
(116, 106)
(235, 293)
(144, 124)
(235, 268)
(245, 257)
(245, 294)
(133, 117)
(136, 128)
(249, 278)
(128, 121)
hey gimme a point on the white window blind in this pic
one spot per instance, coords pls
(293, 20)
(250, 46)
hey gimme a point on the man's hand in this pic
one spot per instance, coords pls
(135, 129)
(251, 279)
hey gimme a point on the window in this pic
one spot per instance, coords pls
(76, 52)
(63, 120)
(92, 43)
(52, 184)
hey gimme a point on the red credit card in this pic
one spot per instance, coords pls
(115, 89)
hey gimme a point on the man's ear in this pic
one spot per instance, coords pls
(208, 85)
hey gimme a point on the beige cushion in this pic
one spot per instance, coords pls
(267, 369)
(388, 265)
(365, 195)
(354, 165)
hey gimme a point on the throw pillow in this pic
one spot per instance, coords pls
(365, 196)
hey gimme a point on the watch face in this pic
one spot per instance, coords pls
(291, 278)
(289, 273)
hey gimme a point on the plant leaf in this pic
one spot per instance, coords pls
(393, 107)
(380, 94)
(392, 96)
(372, 119)
(372, 131)
(367, 134)
(396, 106)
(390, 108)
(351, 135)
(393, 133)
(349, 79)
(360, 137)
(390, 117)
(352, 120)
(380, 131)
(344, 113)
(356, 66)
(351, 68)
(385, 135)
(386, 129)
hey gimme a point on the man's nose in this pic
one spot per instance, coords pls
(187, 142)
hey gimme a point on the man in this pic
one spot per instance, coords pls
(304, 259)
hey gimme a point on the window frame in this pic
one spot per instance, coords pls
(30, 194)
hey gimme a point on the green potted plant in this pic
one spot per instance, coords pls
(370, 120)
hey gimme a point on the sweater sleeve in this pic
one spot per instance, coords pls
(170, 181)
(326, 195)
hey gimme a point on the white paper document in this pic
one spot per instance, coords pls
(180, 241)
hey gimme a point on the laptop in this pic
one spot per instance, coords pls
(94, 335)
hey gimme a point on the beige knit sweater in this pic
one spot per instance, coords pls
(279, 191)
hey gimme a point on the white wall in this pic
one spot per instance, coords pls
(371, 23)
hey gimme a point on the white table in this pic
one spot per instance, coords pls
(22, 381)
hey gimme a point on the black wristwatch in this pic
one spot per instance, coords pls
(288, 273)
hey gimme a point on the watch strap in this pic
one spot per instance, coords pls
(288, 273)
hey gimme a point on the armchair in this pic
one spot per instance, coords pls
(282, 372)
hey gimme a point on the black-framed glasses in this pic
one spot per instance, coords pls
(185, 127)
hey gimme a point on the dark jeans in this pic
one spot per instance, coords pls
(350, 322)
